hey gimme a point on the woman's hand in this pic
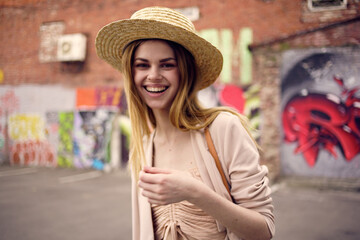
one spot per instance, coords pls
(163, 186)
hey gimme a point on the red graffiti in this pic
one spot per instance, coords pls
(322, 121)
(232, 96)
(32, 153)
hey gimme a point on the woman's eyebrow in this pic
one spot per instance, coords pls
(141, 59)
(168, 59)
(162, 60)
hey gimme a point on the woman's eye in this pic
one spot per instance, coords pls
(141, 65)
(168, 65)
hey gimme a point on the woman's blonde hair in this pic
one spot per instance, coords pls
(186, 113)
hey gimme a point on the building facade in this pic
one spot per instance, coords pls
(62, 106)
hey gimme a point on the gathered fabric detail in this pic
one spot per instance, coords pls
(184, 220)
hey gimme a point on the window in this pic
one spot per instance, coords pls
(326, 5)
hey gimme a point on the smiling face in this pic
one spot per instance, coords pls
(156, 74)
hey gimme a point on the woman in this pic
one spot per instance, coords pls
(177, 191)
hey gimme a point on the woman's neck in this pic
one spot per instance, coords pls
(164, 128)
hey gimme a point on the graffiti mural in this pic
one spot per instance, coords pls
(32, 153)
(74, 129)
(92, 138)
(90, 98)
(234, 88)
(321, 112)
(29, 147)
(9, 104)
(26, 126)
(65, 147)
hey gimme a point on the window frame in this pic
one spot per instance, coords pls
(311, 7)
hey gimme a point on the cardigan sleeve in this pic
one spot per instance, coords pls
(240, 161)
(134, 209)
(142, 226)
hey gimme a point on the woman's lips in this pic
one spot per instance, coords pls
(155, 89)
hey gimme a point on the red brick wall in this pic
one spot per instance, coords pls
(21, 20)
(348, 34)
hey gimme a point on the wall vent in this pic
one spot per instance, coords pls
(71, 47)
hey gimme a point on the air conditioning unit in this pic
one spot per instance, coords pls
(71, 47)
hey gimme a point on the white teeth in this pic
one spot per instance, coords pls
(155, 89)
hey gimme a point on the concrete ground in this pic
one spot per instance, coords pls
(60, 204)
(40, 203)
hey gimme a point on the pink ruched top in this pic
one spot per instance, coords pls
(183, 220)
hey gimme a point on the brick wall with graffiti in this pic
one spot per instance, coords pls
(50, 125)
(55, 126)
(320, 112)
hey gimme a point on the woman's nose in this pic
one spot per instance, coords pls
(154, 73)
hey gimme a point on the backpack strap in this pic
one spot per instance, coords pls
(216, 158)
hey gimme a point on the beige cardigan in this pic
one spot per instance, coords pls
(240, 161)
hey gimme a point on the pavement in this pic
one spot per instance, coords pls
(61, 204)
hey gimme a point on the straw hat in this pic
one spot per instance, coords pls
(159, 23)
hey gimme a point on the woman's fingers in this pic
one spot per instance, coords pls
(146, 186)
(154, 170)
(154, 175)
(154, 197)
(151, 177)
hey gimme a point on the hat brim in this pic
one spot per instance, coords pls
(114, 37)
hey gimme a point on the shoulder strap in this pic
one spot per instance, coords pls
(216, 158)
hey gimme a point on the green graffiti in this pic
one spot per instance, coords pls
(237, 55)
(226, 48)
(223, 41)
(252, 108)
(65, 150)
(108, 133)
(211, 35)
(245, 39)
(65, 162)
(125, 128)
